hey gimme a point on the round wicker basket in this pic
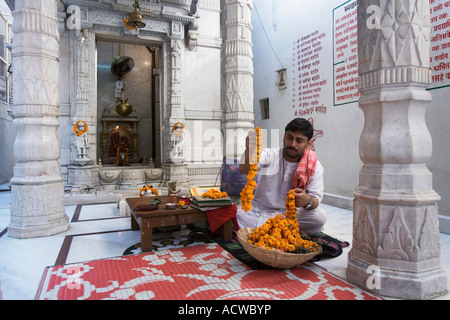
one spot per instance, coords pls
(273, 258)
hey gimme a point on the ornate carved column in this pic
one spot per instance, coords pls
(37, 200)
(83, 171)
(175, 168)
(237, 94)
(396, 250)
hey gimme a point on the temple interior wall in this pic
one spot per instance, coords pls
(278, 28)
(296, 34)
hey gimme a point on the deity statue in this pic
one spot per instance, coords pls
(81, 140)
(177, 140)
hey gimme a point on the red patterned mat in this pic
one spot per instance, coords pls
(206, 272)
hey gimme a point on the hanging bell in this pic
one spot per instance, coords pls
(123, 108)
(135, 19)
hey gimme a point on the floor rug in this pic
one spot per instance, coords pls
(202, 272)
(172, 239)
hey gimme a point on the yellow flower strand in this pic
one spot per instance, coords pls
(283, 233)
(247, 191)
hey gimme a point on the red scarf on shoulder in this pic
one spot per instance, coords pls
(305, 169)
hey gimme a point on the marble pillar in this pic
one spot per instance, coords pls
(174, 166)
(395, 249)
(37, 191)
(238, 90)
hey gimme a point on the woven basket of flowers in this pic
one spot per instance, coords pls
(275, 257)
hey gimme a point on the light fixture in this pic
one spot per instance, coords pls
(135, 19)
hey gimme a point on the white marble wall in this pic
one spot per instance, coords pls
(187, 82)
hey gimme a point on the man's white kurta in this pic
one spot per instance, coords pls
(275, 174)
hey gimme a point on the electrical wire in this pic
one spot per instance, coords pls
(267, 37)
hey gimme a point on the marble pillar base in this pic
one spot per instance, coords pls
(37, 210)
(397, 283)
(36, 231)
(396, 247)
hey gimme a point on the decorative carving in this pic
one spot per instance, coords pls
(399, 41)
(153, 174)
(238, 47)
(108, 176)
(238, 94)
(429, 236)
(206, 114)
(131, 178)
(364, 231)
(397, 242)
(192, 35)
(30, 20)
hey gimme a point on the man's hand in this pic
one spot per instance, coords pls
(302, 199)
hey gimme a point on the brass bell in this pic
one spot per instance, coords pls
(123, 108)
(135, 19)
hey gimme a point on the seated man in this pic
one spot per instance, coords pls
(293, 166)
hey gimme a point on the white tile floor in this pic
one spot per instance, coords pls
(100, 232)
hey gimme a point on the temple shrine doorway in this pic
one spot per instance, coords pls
(128, 103)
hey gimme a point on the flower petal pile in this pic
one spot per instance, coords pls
(214, 194)
(283, 233)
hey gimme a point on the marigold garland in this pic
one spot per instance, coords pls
(174, 129)
(148, 188)
(283, 234)
(128, 26)
(80, 132)
(214, 194)
(247, 191)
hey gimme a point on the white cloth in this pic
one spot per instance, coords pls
(270, 194)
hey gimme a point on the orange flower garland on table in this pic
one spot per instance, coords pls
(214, 194)
(247, 191)
(148, 188)
(283, 234)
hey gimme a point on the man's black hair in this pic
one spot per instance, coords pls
(301, 125)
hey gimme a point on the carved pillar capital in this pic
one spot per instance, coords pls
(394, 43)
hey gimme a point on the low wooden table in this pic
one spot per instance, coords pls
(162, 217)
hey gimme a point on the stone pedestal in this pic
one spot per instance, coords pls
(395, 248)
(37, 191)
(83, 179)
